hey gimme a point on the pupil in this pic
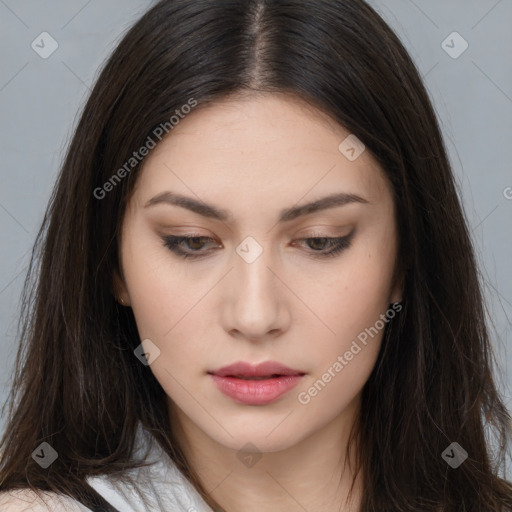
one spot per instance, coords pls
(195, 243)
(313, 243)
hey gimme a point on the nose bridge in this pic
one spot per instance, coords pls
(251, 271)
(255, 305)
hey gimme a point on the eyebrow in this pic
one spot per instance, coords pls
(208, 210)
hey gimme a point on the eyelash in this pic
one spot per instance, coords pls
(338, 245)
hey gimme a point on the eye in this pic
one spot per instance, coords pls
(193, 247)
(322, 246)
(187, 246)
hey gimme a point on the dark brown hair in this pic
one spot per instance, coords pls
(77, 384)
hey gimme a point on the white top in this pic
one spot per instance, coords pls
(164, 487)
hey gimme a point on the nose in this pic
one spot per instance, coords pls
(255, 304)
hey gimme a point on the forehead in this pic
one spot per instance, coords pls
(253, 145)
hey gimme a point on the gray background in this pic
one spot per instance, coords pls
(39, 100)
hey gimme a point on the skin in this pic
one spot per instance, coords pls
(255, 155)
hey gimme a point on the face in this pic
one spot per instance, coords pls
(262, 277)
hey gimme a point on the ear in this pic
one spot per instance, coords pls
(120, 291)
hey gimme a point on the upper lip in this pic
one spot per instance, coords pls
(267, 368)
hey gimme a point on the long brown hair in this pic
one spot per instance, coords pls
(78, 385)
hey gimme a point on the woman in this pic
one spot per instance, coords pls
(256, 289)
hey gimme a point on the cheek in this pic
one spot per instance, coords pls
(167, 306)
(356, 292)
(153, 303)
(160, 293)
(354, 307)
(163, 306)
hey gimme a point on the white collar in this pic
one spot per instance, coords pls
(162, 484)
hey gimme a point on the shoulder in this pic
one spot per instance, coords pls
(21, 500)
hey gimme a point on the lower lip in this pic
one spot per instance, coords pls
(256, 392)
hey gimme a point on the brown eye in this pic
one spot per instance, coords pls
(318, 244)
(325, 247)
(188, 246)
(194, 247)
(196, 243)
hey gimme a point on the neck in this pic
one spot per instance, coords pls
(315, 474)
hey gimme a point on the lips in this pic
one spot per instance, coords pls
(255, 385)
(266, 370)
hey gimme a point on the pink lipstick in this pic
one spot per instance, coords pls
(255, 384)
